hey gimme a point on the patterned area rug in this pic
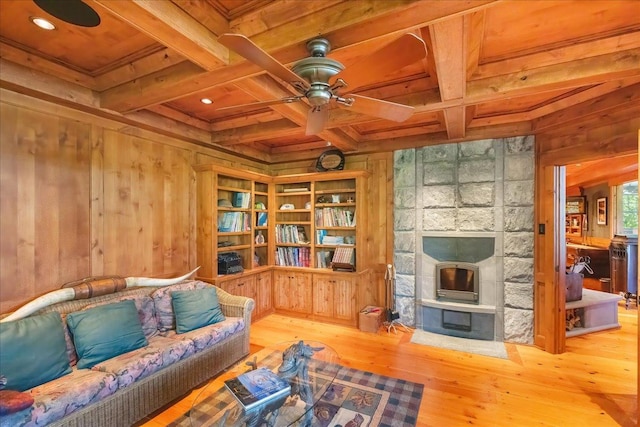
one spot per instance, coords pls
(354, 398)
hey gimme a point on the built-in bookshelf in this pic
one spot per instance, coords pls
(296, 221)
(322, 207)
(232, 219)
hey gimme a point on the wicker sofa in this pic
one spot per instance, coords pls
(201, 354)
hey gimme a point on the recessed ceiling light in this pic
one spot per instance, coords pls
(43, 23)
(74, 12)
(206, 101)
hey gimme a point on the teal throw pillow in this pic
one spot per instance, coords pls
(33, 351)
(195, 309)
(106, 331)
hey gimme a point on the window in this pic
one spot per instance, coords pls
(629, 224)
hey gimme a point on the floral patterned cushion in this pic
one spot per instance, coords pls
(146, 312)
(137, 364)
(209, 335)
(164, 307)
(62, 396)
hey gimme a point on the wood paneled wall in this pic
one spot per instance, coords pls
(84, 196)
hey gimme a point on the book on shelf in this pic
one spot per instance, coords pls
(295, 190)
(257, 387)
(261, 220)
(343, 259)
(241, 200)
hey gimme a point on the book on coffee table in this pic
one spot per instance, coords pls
(256, 387)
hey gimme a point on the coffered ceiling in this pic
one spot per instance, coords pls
(491, 68)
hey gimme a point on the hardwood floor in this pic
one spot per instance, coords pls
(592, 384)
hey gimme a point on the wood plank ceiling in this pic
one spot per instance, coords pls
(492, 68)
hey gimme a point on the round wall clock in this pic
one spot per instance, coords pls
(330, 160)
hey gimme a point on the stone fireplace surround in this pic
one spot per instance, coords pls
(478, 189)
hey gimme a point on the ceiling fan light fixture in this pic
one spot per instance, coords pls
(42, 23)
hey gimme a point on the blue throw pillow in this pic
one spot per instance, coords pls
(195, 309)
(33, 351)
(103, 332)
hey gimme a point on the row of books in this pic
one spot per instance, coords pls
(290, 233)
(293, 257)
(344, 255)
(335, 217)
(234, 221)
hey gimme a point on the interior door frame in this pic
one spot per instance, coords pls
(549, 259)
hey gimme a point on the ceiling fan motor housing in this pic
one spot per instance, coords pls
(317, 70)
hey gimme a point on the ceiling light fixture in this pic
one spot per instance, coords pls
(42, 23)
(206, 101)
(74, 12)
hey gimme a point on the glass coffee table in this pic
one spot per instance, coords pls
(310, 368)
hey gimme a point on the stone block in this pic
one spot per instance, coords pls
(404, 197)
(405, 263)
(439, 173)
(519, 144)
(404, 219)
(405, 285)
(518, 193)
(481, 149)
(404, 241)
(483, 170)
(477, 194)
(407, 309)
(439, 219)
(518, 295)
(518, 218)
(519, 167)
(518, 270)
(518, 244)
(439, 153)
(476, 219)
(518, 325)
(404, 176)
(439, 196)
(404, 157)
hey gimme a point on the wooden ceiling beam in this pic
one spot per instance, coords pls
(448, 39)
(134, 70)
(19, 56)
(573, 52)
(243, 135)
(167, 23)
(595, 106)
(581, 72)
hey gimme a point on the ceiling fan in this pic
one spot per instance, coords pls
(320, 80)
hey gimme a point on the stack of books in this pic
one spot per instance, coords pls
(257, 387)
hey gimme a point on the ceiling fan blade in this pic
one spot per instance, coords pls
(379, 108)
(401, 52)
(259, 104)
(249, 50)
(317, 119)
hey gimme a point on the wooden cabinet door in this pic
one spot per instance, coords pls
(246, 287)
(323, 296)
(300, 292)
(264, 302)
(344, 299)
(281, 290)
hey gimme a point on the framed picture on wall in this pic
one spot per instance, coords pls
(602, 211)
